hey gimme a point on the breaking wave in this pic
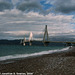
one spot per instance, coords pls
(33, 54)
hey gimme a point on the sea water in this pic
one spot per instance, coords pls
(19, 51)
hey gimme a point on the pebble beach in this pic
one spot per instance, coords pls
(62, 63)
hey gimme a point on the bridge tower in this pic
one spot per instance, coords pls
(30, 39)
(23, 41)
(46, 37)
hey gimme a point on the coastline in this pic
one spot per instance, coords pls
(62, 63)
(29, 52)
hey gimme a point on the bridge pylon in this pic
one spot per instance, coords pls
(46, 37)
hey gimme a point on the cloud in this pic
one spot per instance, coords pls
(24, 5)
(20, 34)
(5, 5)
(16, 24)
(28, 16)
(64, 6)
(31, 6)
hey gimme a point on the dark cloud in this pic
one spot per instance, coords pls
(31, 6)
(28, 6)
(5, 5)
(23, 5)
(64, 6)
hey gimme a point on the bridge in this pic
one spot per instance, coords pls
(45, 40)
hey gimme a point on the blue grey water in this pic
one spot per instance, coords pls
(19, 51)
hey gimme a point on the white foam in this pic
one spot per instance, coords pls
(33, 54)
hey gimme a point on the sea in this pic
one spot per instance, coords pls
(8, 52)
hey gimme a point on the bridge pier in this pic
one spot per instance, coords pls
(30, 43)
(46, 43)
(24, 44)
(68, 44)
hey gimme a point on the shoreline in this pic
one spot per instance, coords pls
(35, 54)
(62, 63)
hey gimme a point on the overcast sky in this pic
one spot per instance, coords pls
(20, 17)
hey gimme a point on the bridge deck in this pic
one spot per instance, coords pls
(51, 41)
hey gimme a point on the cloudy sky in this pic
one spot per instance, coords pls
(20, 17)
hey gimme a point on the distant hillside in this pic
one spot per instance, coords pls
(9, 42)
(17, 42)
(36, 43)
(62, 39)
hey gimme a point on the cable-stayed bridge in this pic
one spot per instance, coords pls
(45, 39)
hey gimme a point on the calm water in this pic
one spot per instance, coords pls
(19, 51)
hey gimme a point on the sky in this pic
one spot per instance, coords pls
(18, 18)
